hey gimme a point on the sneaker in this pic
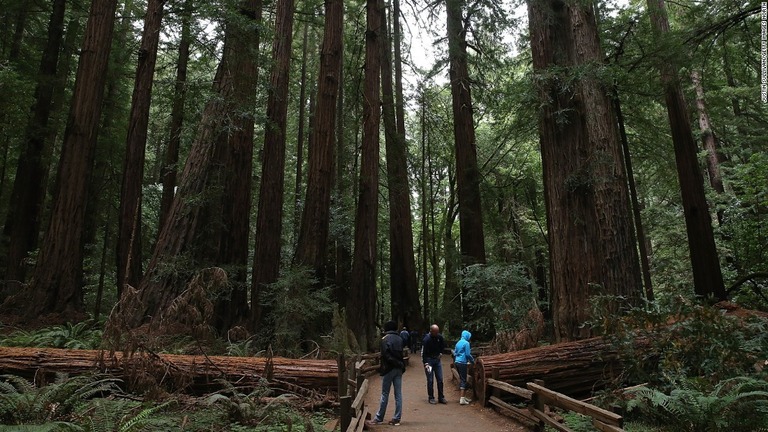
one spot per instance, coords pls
(443, 401)
(463, 401)
(432, 401)
(374, 422)
(394, 422)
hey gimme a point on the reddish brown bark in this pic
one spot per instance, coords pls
(592, 245)
(361, 305)
(57, 284)
(179, 245)
(472, 239)
(129, 215)
(312, 244)
(171, 158)
(269, 222)
(22, 225)
(707, 275)
(402, 267)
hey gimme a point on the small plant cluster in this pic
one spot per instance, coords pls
(97, 403)
(702, 369)
(82, 335)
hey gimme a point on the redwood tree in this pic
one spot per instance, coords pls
(269, 222)
(57, 283)
(312, 245)
(361, 305)
(472, 240)
(707, 276)
(403, 286)
(129, 215)
(22, 225)
(176, 254)
(592, 246)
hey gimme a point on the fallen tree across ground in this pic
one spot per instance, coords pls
(573, 368)
(195, 374)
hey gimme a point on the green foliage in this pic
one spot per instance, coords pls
(505, 290)
(295, 303)
(82, 335)
(733, 405)
(21, 402)
(687, 341)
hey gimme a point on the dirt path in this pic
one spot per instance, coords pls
(419, 415)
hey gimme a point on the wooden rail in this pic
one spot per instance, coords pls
(353, 411)
(537, 399)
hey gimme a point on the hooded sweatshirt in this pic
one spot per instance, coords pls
(461, 352)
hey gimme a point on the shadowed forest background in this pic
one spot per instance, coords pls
(283, 173)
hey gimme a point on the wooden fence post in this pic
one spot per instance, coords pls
(346, 418)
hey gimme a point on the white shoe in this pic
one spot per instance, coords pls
(463, 401)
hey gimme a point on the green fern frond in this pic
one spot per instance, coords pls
(142, 417)
(22, 385)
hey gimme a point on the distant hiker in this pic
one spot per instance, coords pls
(432, 347)
(462, 358)
(414, 340)
(406, 337)
(391, 371)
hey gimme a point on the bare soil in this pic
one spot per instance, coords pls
(420, 415)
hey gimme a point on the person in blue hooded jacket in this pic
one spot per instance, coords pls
(462, 359)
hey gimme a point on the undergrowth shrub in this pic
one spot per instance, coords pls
(733, 405)
(504, 290)
(22, 402)
(701, 369)
(82, 335)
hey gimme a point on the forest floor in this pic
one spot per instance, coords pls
(419, 415)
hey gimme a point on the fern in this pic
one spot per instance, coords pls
(736, 404)
(142, 417)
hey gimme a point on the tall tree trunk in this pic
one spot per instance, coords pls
(171, 158)
(235, 162)
(451, 310)
(708, 139)
(707, 276)
(312, 244)
(645, 265)
(361, 308)
(269, 222)
(398, 62)
(18, 31)
(177, 241)
(404, 288)
(341, 241)
(22, 225)
(300, 132)
(592, 245)
(129, 255)
(425, 197)
(472, 238)
(57, 284)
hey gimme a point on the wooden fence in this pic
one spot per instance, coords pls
(353, 411)
(537, 400)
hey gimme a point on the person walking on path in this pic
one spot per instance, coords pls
(406, 336)
(391, 370)
(462, 357)
(432, 348)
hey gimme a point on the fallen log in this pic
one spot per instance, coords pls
(572, 368)
(193, 373)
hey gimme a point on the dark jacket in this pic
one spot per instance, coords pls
(432, 347)
(391, 353)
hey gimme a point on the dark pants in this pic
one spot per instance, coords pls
(461, 368)
(436, 374)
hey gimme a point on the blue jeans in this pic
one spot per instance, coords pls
(395, 376)
(461, 368)
(437, 373)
